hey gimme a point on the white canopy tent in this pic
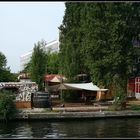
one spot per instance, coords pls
(77, 86)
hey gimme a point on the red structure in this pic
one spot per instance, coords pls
(134, 85)
(54, 78)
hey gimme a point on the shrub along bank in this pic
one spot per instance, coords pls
(7, 106)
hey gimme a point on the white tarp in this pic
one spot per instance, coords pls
(80, 86)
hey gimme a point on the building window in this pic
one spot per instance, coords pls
(136, 42)
(137, 60)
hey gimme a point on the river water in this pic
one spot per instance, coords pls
(96, 128)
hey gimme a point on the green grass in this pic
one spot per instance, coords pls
(135, 107)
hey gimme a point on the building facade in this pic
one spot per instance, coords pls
(134, 80)
(134, 86)
(52, 46)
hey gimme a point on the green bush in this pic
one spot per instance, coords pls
(120, 99)
(7, 106)
(135, 107)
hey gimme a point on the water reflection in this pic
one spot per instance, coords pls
(100, 128)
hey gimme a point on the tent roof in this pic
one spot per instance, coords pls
(54, 78)
(78, 86)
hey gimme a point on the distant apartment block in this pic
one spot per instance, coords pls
(52, 46)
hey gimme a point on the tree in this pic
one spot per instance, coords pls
(103, 34)
(7, 106)
(38, 64)
(71, 58)
(7, 76)
(52, 63)
(27, 67)
(5, 73)
(110, 52)
(3, 60)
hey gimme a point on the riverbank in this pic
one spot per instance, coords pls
(45, 114)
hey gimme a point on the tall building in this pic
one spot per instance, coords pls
(52, 46)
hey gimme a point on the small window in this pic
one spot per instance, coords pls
(136, 42)
(137, 60)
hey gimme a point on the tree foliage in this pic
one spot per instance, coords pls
(52, 63)
(38, 64)
(99, 38)
(7, 76)
(7, 106)
(5, 73)
(3, 60)
(70, 42)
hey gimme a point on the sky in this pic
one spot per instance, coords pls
(22, 24)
